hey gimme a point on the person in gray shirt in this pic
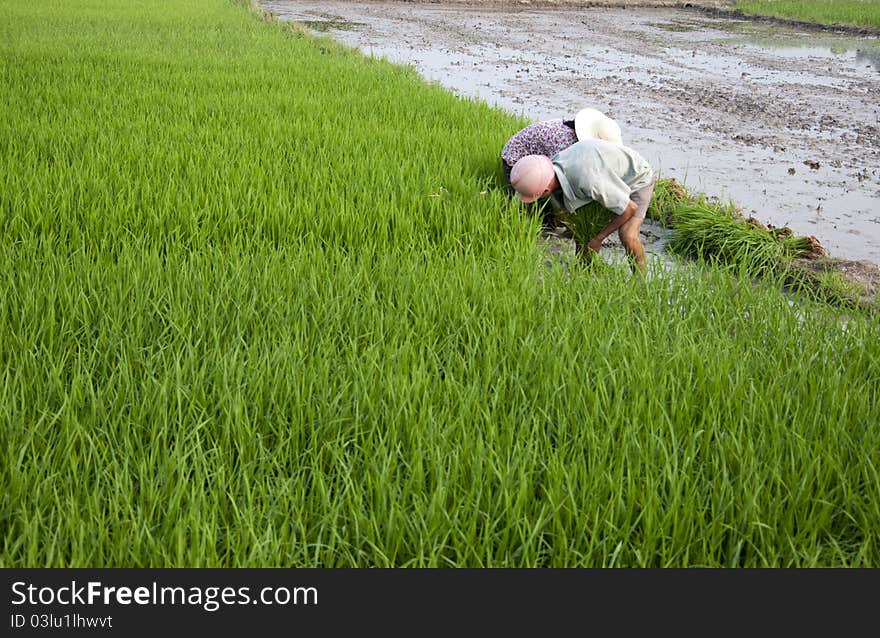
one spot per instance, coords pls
(614, 175)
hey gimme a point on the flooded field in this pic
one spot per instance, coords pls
(782, 122)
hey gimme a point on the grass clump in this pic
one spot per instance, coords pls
(821, 280)
(839, 288)
(864, 13)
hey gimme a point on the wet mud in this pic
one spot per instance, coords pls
(783, 122)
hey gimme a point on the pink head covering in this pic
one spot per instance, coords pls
(531, 176)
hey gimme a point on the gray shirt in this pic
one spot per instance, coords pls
(596, 170)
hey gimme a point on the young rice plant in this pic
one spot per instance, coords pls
(264, 302)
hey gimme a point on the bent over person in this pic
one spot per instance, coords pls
(549, 137)
(616, 176)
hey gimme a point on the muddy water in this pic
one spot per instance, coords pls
(786, 124)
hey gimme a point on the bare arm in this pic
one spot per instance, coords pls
(595, 244)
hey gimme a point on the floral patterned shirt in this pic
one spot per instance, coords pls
(541, 138)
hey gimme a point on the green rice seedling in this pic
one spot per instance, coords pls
(584, 224)
(819, 280)
(586, 221)
(799, 245)
(709, 232)
(667, 196)
(259, 308)
(855, 12)
(590, 219)
(839, 289)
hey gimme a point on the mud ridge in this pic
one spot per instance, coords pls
(712, 8)
(735, 14)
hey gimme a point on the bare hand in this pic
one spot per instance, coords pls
(595, 245)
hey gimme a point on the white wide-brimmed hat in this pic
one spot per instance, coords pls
(592, 124)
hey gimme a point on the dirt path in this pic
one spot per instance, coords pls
(785, 123)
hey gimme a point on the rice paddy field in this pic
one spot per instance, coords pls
(264, 302)
(864, 13)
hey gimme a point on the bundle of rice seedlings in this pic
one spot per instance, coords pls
(709, 232)
(586, 221)
(800, 246)
(668, 195)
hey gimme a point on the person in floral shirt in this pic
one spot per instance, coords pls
(548, 137)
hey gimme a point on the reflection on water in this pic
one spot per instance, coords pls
(867, 50)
